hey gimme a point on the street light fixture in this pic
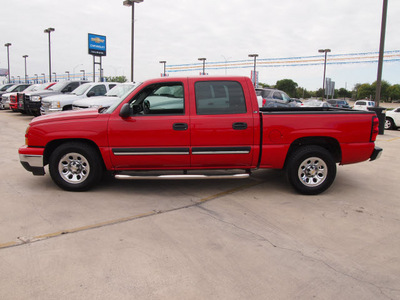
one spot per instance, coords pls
(203, 59)
(323, 84)
(132, 4)
(83, 71)
(8, 59)
(26, 77)
(254, 74)
(163, 62)
(49, 30)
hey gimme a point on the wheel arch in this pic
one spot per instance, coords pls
(50, 147)
(329, 143)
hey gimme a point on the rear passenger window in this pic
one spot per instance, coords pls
(219, 98)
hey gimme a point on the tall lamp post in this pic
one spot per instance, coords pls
(323, 83)
(8, 59)
(83, 71)
(132, 4)
(203, 59)
(254, 75)
(163, 62)
(49, 30)
(26, 76)
(381, 52)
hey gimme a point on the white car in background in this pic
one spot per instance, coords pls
(392, 119)
(115, 94)
(363, 104)
(58, 103)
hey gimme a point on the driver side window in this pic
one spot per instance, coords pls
(160, 99)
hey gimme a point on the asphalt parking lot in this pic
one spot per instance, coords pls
(215, 239)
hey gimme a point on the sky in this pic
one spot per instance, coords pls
(181, 31)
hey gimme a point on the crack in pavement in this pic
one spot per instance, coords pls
(29, 240)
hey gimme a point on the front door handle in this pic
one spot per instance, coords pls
(180, 126)
(239, 126)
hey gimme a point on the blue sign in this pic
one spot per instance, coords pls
(97, 44)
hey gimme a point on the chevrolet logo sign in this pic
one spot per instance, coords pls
(97, 40)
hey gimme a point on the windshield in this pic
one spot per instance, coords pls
(31, 88)
(117, 103)
(82, 89)
(11, 88)
(120, 90)
(57, 87)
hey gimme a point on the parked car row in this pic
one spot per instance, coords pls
(47, 98)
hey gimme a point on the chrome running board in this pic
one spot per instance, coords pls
(182, 176)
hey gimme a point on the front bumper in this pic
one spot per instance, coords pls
(32, 159)
(376, 153)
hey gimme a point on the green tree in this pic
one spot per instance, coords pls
(264, 85)
(394, 92)
(384, 90)
(365, 91)
(343, 93)
(121, 79)
(288, 86)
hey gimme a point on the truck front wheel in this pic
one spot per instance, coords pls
(311, 170)
(75, 166)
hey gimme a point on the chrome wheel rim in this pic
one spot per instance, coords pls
(74, 168)
(312, 171)
(387, 124)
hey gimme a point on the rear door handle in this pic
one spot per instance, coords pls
(239, 126)
(180, 126)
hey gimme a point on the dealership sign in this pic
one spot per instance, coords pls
(97, 44)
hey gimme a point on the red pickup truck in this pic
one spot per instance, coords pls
(194, 125)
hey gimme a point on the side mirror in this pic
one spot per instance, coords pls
(91, 94)
(125, 111)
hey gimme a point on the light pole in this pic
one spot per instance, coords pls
(323, 83)
(254, 75)
(381, 52)
(67, 74)
(8, 59)
(132, 4)
(55, 76)
(163, 62)
(49, 30)
(203, 59)
(83, 71)
(26, 77)
(44, 77)
(226, 62)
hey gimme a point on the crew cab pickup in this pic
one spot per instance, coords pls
(193, 126)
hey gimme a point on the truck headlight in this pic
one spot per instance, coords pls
(55, 104)
(36, 98)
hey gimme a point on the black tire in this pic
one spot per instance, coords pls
(75, 166)
(311, 170)
(389, 124)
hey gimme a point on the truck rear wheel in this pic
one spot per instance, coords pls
(75, 166)
(311, 170)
